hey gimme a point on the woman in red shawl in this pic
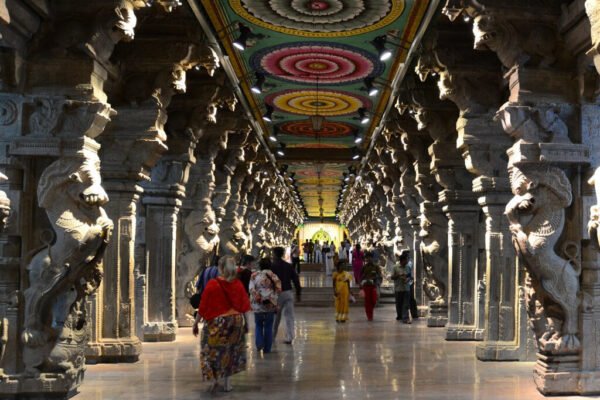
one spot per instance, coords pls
(224, 308)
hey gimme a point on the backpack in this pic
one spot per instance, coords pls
(206, 275)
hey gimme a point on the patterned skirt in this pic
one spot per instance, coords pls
(223, 347)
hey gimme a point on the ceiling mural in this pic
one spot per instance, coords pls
(317, 74)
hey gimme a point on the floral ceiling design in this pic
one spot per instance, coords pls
(316, 59)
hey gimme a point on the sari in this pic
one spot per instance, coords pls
(341, 283)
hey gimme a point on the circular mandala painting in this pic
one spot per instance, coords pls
(320, 18)
(325, 102)
(329, 129)
(326, 63)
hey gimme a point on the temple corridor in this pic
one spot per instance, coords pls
(442, 156)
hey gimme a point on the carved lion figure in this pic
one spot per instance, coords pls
(61, 275)
(536, 215)
(234, 239)
(200, 240)
(533, 125)
(513, 48)
(433, 253)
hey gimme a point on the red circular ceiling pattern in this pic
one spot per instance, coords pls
(324, 63)
(330, 129)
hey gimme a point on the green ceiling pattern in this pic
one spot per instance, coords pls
(313, 59)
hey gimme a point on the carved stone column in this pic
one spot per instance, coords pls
(163, 197)
(543, 166)
(131, 147)
(199, 231)
(471, 79)
(433, 225)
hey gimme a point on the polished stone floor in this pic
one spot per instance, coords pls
(383, 359)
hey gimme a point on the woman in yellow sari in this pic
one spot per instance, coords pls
(341, 290)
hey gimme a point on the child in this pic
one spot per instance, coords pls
(341, 290)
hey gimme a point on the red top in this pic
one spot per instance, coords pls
(216, 301)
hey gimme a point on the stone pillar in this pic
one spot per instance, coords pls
(58, 109)
(162, 200)
(115, 338)
(471, 80)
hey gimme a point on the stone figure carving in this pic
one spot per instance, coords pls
(62, 274)
(200, 240)
(471, 97)
(101, 35)
(594, 222)
(592, 9)
(4, 205)
(537, 47)
(208, 59)
(433, 244)
(533, 125)
(234, 239)
(434, 289)
(536, 215)
(168, 82)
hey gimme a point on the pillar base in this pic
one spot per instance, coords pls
(558, 375)
(438, 315)
(126, 350)
(55, 386)
(458, 332)
(500, 351)
(160, 331)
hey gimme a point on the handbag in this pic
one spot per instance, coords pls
(195, 300)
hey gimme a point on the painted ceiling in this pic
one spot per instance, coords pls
(314, 56)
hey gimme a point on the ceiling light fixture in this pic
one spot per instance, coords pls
(355, 153)
(379, 43)
(372, 90)
(281, 150)
(268, 115)
(357, 138)
(362, 115)
(258, 85)
(241, 42)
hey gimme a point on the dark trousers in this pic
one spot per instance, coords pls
(296, 264)
(264, 330)
(402, 303)
(414, 310)
(310, 256)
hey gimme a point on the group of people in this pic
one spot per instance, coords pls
(368, 277)
(326, 253)
(228, 294)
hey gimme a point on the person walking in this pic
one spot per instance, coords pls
(402, 277)
(288, 276)
(318, 253)
(305, 250)
(357, 263)
(369, 275)
(414, 309)
(225, 308)
(342, 255)
(311, 250)
(295, 256)
(341, 290)
(244, 272)
(265, 288)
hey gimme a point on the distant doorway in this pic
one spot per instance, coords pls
(321, 236)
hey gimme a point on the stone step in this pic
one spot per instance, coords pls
(323, 297)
